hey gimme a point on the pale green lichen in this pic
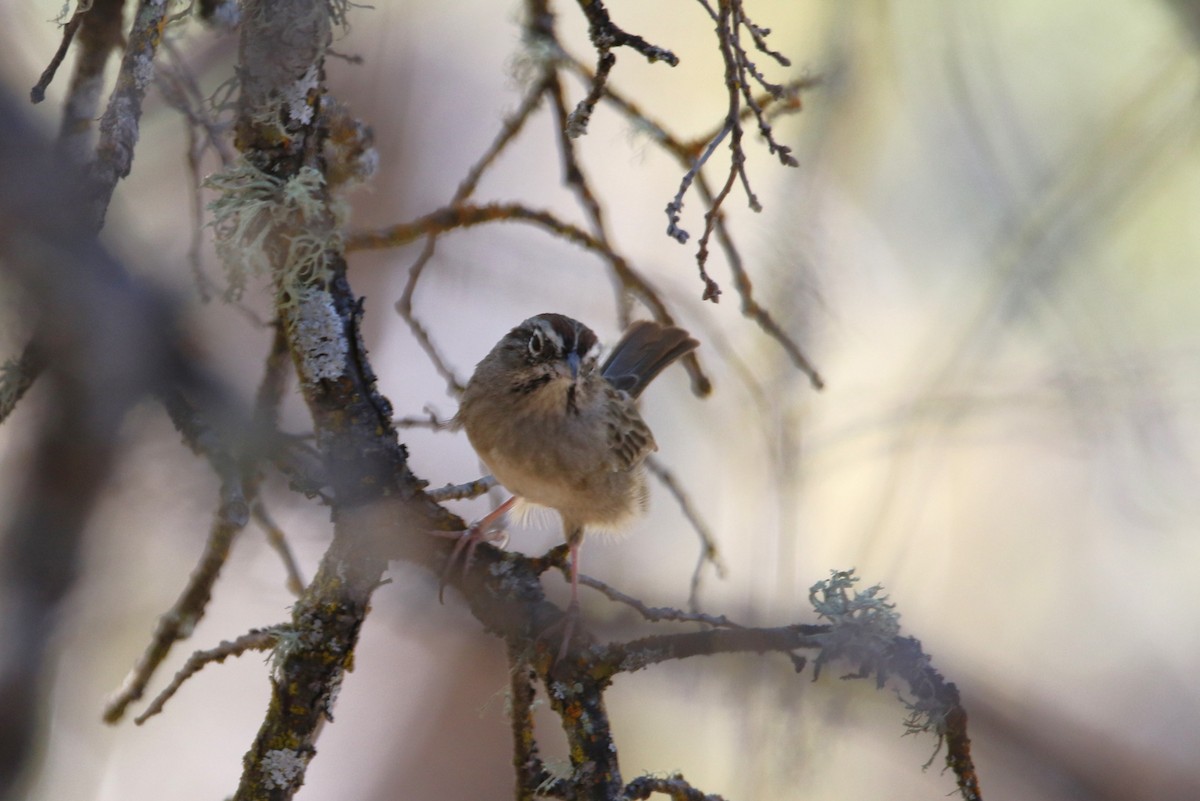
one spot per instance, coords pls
(296, 97)
(863, 625)
(320, 336)
(254, 211)
(530, 62)
(557, 770)
(287, 641)
(281, 768)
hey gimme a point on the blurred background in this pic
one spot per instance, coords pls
(989, 252)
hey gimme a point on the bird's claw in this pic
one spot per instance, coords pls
(482, 530)
(466, 543)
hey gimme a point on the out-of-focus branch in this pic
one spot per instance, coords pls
(234, 455)
(100, 33)
(98, 25)
(205, 132)
(16, 377)
(105, 341)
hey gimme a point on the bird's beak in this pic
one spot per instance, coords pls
(573, 364)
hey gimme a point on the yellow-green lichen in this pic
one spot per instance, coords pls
(264, 225)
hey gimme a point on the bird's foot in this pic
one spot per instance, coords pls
(482, 530)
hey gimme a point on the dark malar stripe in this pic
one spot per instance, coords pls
(531, 385)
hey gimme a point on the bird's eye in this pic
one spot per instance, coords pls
(537, 343)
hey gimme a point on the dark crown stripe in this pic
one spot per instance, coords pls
(576, 337)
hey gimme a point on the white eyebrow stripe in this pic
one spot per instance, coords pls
(551, 335)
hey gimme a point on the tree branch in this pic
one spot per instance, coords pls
(106, 340)
(119, 125)
(254, 640)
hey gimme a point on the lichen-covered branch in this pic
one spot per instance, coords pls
(674, 787)
(120, 123)
(861, 631)
(531, 775)
(280, 218)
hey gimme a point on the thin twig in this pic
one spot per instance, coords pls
(605, 34)
(709, 552)
(430, 421)
(38, 93)
(180, 90)
(511, 126)
(573, 174)
(254, 640)
(404, 307)
(686, 154)
(578, 119)
(177, 623)
(466, 216)
(277, 539)
(675, 207)
(575, 178)
(654, 614)
(462, 492)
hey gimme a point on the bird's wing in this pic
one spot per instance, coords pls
(630, 440)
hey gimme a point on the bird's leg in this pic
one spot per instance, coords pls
(566, 624)
(573, 608)
(469, 539)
